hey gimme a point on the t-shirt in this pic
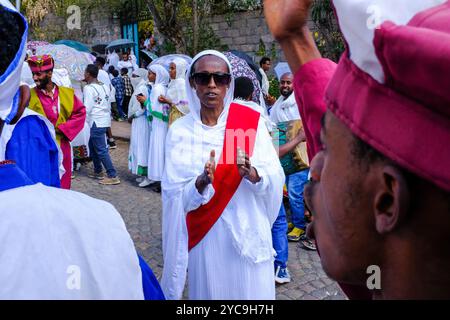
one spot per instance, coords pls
(98, 106)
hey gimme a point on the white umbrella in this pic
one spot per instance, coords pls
(74, 61)
(165, 61)
(281, 69)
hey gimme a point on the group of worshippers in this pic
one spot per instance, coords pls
(50, 236)
(371, 190)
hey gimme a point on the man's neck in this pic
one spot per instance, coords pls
(49, 87)
(91, 81)
(415, 275)
(209, 116)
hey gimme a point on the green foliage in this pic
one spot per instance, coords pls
(274, 89)
(261, 49)
(328, 38)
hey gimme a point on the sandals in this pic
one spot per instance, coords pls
(308, 243)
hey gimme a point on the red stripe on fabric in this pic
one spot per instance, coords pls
(242, 124)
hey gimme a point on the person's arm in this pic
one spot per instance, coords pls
(291, 145)
(287, 20)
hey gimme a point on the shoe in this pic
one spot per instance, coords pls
(308, 243)
(110, 181)
(290, 227)
(98, 176)
(282, 275)
(112, 144)
(145, 183)
(140, 179)
(295, 234)
(73, 176)
(157, 187)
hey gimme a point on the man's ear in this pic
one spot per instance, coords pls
(392, 200)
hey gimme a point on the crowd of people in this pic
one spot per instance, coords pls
(356, 145)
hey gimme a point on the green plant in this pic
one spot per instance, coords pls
(274, 88)
(261, 49)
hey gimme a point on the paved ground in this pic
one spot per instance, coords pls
(141, 210)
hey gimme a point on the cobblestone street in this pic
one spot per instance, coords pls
(141, 210)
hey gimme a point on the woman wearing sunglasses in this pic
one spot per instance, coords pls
(220, 194)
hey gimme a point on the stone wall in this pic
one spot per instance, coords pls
(246, 31)
(96, 27)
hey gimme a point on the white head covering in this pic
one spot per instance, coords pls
(177, 87)
(194, 101)
(142, 75)
(162, 76)
(10, 80)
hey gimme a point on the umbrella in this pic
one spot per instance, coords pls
(100, 47)
(165, 61)
(240, 68)
(74, 44)
(66, 57)
(147, 55)
(249, 61)
(281, 69)
(120, 44)
(32, 45)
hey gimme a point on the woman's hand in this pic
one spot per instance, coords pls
(163, 99)
(141, 99)
(207, 176)
(245, 167)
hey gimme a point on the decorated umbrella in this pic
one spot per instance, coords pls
(32, 45)
(66, 57)
(281, 69)
(242, 69)
(165, 61)
(249, 61)
(74, 44)
(148, 56)
(120, 44)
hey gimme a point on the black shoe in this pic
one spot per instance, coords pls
(112, 144)
(156, 187)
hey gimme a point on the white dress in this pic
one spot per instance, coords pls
(157, 135)
(140, 133)
(235, 259)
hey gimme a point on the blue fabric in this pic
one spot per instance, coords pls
(34, 151)
(99, 151)
(119, 85)
(295, 185)
(12, 177)
(152, 289)
(280, 240)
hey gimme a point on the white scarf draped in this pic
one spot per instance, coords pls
(177, 87)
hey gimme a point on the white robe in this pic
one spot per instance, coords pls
(55, 247)
(157, 136)
(140, 132)
(235, 259)
(285, 110)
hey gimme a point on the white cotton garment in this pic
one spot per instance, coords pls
(140, 127)
(176, 91)
(235, 259)
(285, 110)
(159, 127)
(63, 245)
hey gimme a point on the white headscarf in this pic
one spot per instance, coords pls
(141, 74)
(177, 87)
(10, 80)
(194, 101)
(162, 76)
(139, 85)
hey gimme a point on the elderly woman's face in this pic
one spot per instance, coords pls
(211, 80)
(173, 71)
(151, 76)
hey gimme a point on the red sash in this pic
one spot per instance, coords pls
(242, 124)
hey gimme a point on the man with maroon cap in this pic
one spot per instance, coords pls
(380, 187)
(60, 105)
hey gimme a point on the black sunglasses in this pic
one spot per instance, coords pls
(203, 78)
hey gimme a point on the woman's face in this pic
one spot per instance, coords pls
(211, 94)
(173, 71)
(152, 77)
